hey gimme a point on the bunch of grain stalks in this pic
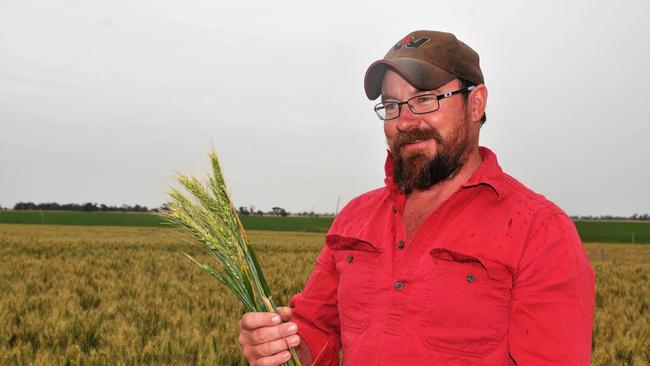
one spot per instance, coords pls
(209, 215)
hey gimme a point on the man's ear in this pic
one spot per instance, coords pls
(477, 101)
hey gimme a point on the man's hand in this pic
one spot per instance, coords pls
(265, 340)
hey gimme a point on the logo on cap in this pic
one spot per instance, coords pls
(410, 42)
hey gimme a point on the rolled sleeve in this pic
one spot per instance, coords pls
(553, 298)
(315, 311)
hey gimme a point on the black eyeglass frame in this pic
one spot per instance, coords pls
(438, 97)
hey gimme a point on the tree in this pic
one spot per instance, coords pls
(138, 208)
(25, 206)
(279, 211)
(89, 207)
(164, 207)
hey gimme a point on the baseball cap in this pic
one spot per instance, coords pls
(427, 60)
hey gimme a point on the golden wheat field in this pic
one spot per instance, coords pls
(73, 295)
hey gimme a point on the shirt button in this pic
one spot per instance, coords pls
(399, 285)
(350, 258)
(394, 209)
(400, 244)
(470, 278)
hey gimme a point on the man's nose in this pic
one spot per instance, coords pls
(406, 120)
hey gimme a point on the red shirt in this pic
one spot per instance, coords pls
(496, 276)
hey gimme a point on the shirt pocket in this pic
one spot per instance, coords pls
(466, 303)
(357, 267)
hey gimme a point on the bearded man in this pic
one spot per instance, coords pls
(453, 262)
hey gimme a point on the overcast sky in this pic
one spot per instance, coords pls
(101, 100)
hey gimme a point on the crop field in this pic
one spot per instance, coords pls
(275, 223)
(614, 231)
(93, 295)
(80, 218)
(590, 231)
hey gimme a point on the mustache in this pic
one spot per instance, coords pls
(411, 136)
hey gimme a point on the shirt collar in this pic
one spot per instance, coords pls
(489, 173)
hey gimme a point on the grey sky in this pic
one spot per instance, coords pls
(101, 100)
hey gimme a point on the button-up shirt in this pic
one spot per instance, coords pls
(497, 275)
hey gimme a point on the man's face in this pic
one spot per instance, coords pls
(426, 148)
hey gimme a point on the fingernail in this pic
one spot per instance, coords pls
(292, 328)
(286, 355)
(293, 340)
(276, 319)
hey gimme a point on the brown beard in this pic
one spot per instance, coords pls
(416, 171)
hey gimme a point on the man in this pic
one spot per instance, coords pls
(453, 262)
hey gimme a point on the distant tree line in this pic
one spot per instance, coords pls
(88, 206)
(92, 207)
(634, 217)
(277, 211)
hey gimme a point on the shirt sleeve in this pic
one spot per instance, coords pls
(552, 298)
(316, 314)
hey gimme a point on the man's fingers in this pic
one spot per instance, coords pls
(275, 360)
(251, 321)
(277, 346)
(285, 313)
(265, 340)
(268, 334)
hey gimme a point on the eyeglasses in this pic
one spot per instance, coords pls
(419, 104)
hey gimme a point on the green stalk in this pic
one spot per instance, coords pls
(208, 213)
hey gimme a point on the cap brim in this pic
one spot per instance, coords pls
(420, 74)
